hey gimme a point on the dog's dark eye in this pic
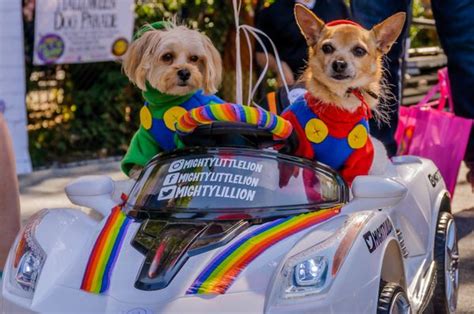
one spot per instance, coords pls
(327, 48)
(193, 58)
(359, 51)
(167, 57)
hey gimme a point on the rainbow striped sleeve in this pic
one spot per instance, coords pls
(221, 272)
(105, 251)
(280, 127)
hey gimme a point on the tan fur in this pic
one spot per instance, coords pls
(145, 61)
(363, 72)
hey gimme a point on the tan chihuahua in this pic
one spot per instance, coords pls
(343, 81)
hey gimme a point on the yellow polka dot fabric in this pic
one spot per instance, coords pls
(316, 130)
(172, 115)
(145, 118)
(357, 137)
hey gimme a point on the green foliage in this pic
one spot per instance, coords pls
(94, 109)
(99, 118)
(422, 36)
(210, 16)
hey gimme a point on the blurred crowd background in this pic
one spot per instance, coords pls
(87, 111)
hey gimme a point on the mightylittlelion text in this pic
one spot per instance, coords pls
(221, 162)
(218, 177)
(215, 191)
(85, 14)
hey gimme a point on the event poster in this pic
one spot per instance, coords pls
(81, 31)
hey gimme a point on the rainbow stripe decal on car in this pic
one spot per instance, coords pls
(219, 275)
(263, 119)
(104, 254)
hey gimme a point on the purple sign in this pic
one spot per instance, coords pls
(50, 48)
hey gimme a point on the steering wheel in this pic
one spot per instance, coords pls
(231, 124)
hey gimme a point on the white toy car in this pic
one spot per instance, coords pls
(241, 229)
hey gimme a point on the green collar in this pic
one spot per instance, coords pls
(159, 102)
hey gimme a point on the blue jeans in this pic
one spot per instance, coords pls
(455, 25)
(369, 13)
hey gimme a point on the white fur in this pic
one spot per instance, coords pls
(381, 160)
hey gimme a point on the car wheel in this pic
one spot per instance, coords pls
(446, 256)
(392, 299)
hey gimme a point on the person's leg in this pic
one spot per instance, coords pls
(330, 10)
(368, 13)
(9, 199)
(455, 25)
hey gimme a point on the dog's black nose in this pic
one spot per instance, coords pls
(184, 74)
(339, 66)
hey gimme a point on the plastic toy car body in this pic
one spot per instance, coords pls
(241, 229)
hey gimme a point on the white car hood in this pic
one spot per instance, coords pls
(254, 277)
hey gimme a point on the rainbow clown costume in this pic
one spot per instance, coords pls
(157, 124)
(158, 117)
(332, 135)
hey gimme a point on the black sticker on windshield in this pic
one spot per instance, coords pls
(373, 239)
(434, 178)
(167, 193)
(211, 177)
(211, 162)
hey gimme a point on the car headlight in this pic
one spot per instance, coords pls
(306, 273)
(313, 270)
(28, 259)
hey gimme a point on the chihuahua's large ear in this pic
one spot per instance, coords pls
(212, 67)
(134, 63)
(310, 25)
(388, 31)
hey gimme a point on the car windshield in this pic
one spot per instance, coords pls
(231, 179)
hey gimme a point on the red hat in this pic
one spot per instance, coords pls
(339, 22)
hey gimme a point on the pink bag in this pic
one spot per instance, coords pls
(427, 130)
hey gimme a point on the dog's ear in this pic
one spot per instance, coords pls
(387, 31)
(212, 67)
(135, 62)
(310, 25)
